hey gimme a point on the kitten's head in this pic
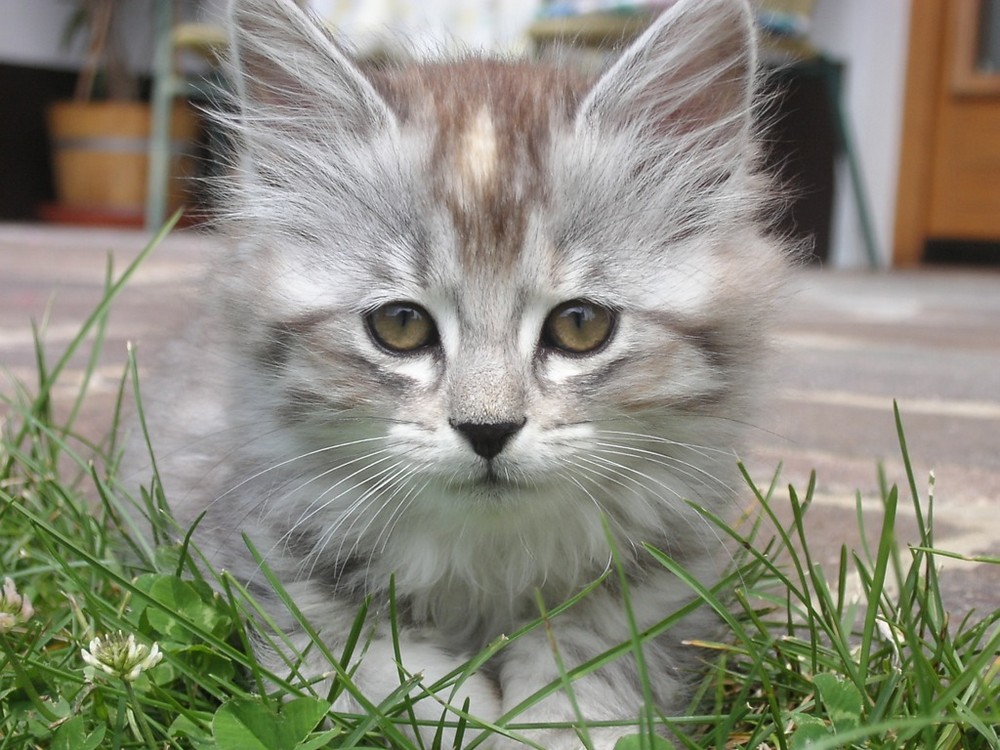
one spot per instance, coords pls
(502, 281)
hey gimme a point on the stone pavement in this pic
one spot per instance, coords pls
(848, 344)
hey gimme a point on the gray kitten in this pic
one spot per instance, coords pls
(475, 310)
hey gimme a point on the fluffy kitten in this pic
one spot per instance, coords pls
(474, 310)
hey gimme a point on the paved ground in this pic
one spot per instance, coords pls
(848, 345)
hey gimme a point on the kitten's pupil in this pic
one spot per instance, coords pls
(402, 327)
(578, 327)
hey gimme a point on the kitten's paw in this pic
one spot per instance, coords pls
(561, 739)
(483, 697)
(378, 677)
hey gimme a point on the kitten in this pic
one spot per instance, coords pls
(475, 310)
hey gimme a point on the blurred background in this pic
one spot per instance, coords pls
(886, 123)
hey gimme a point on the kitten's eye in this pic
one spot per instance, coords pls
(402, 327)
(578, 327)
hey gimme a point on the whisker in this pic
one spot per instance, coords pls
(399, 479)
(301, 456)
(364, 500)
(641, 478)
(311, 509)
(601, 510)
(386, 488)
(322, 502)
(625, 468)
(674, 464)
(646, 437)
(628, 483)
(399, 512)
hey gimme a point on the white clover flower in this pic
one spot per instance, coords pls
(118, 655)
(14, 607)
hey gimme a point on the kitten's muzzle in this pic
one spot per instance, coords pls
(488, 439)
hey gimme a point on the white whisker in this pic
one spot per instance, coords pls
(369, 496)
(624, 471)
(676, 465)
(702, 450)
(600, 509)
(286, 462)
(311, 509)
(398, 513)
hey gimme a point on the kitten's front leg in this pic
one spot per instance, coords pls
(377, 676)
(611, 694)
(614, 692)
(376, 672)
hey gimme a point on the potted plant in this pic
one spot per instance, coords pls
(100, 138)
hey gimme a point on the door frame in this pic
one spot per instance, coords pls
(935, 68)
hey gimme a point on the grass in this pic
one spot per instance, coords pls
(804, 666)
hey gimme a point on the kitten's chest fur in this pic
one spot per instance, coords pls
(470, 573)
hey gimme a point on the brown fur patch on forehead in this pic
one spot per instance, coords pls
(492, 123)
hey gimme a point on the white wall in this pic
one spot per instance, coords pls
(433, 25)
(871, 38)
(31, 31)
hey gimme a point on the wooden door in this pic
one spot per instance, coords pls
(949, 179)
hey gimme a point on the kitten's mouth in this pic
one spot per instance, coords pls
(491, 480)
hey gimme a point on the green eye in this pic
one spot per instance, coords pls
(578, 327)
(402, 327)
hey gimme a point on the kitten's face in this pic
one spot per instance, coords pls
(488, 274)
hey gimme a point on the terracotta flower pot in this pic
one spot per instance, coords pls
(100, 156)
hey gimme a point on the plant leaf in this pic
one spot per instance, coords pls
(807, 735)
(841, 699)
(186, 598)
(251, 724)
(644, 742)
(73, 736)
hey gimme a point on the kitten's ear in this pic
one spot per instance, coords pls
(287, 64)
(692, 71)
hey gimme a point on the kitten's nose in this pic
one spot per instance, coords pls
(488, 439)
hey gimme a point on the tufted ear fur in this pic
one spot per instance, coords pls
(289, 69)
(691, 73)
